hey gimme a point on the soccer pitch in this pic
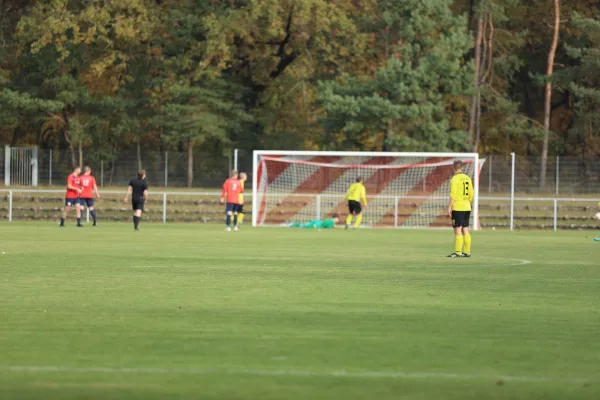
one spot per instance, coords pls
(193, 312)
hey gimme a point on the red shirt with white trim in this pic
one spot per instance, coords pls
(73, 180)
(233, 188)
(87, 184)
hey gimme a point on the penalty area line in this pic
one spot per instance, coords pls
(457, 263)
(516, 261)
(295, 373)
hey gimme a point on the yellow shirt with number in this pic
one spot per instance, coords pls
(357, 192)
(461, 190)
(242, 193)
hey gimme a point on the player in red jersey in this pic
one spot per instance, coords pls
(88, 184)
(232, 188)
(72, 197)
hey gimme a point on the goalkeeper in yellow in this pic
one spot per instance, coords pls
(243, 178)
(459, 209)
(356, 194)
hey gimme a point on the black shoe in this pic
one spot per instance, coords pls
(94, 224)
(454, 255)
(466, 255)
(80, 226)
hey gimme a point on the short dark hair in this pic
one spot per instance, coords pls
(335, 216)
(458, 164)
(358, 179)
(87, 168)
(141, 173)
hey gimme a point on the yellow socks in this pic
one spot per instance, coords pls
(458, 244)
(358, 220)
(467, 240)
(240, 218)
(349, 219)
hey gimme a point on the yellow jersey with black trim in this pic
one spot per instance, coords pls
(462, 191)
(357, 192)
(242, 193)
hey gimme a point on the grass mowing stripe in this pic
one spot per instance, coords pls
(339, 374)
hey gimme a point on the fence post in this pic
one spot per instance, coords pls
(34, 166)
(87, 214)
(555, 215)
(512, 192)
(10, 202)
(557, 172)
(396, 200)
(318, 206)
(102, 173)
(50, 169)
(235, 159)
(164, 216)
(490, 176)
(166, 168)
(6, 165)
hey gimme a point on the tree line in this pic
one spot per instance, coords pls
(97, 77)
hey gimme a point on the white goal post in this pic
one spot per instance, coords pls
(404, 190)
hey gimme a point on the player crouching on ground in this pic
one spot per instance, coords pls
(317, 223)
(459, 209)
(232, 188)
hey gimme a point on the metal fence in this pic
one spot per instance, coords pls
(164, 169)
(566, 176)
(2, 163)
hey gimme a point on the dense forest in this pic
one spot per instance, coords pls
(104, 76)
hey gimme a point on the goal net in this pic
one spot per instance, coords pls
(404, 190)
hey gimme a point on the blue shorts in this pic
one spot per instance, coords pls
(72, 202)
(87, 202)
(234, 208)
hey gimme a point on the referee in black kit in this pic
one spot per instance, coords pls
(138, 189)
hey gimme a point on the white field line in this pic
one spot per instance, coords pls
(294, 373)
(516, 261)
(457, 263)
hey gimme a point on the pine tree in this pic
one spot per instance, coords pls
(403, 105)
(583, 79)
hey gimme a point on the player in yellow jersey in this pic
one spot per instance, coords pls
(243, 177)
(459, 209)
(356, 194)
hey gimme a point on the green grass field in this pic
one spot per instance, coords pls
(193, 312)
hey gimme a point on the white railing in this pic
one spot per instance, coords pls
(318, 198)
(113, 192)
